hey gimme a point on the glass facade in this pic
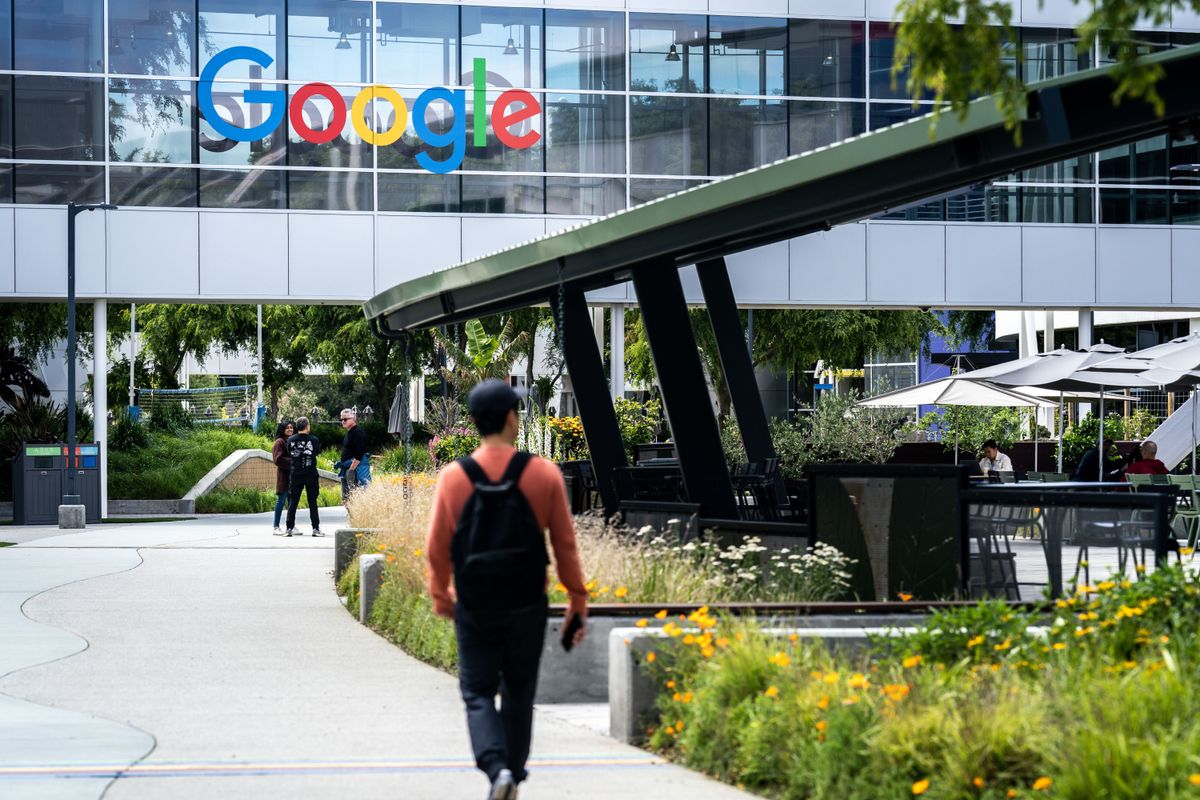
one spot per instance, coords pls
(99, 101)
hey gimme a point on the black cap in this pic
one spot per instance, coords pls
(493, 398)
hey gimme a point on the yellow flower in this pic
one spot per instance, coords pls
(1140, 568)
(896, 691)
(850, 700)
(772, 691)
(650, 656)
(670, 684)
(1059, 645)
(1011, 793)
(1186, 551)
(707, 652)
(687, 698)
(670, 730)
(821, 725)
(1007, 643)
(590, 585)
(921, 786)
(722, 642)
(978, 782)
(689, 639)
(823, 703)
(418, 552)
(1194, 779)
(676, 697)
(780, 659)
(912, 661)
(858, 681)
(661, 614)
(678, 724)
(830, 678)
(793, 637)
(975, 641)
(1084, 631)
(904, 596)
(620, 592)
(1042, 784)
(641, 623)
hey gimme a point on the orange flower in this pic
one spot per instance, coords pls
(1042, 784)
(821, 725)
(1011, 793)
(858, 681)
(978, 782)
(823, 703)
(904, 596)
(913, 661)
(921, 786)
(650, 656)
(896, 691)
(661, 615)
(670, 684)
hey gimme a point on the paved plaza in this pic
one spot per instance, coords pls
(207, 658)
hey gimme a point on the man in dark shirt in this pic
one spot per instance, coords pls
(354, 454)
(1089, 466)
(303, 448)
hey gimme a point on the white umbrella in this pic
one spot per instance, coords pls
(954, 392)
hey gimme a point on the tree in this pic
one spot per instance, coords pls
(287, 342)
(172, 332)
(485, 356)
(959, 60)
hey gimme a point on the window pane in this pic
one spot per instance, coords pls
(151, 37)
(1138, 162)
(173, 187)
(418, 192)
(885, 114)
(883, 48)
(59, 184)
(150, 121)
(1051, 52)
(669, 135)
(1185, 207)
(229, 102)
(1185, 161)
(1074, 170)
(586, 133)
(666, 52)
(329, 41)
(588, 197)
(485, 194)
(251, 23)
(1133, 207)
(6, 183)
(585, 50)
(744, 134)
(815, 124)
(933, 211)
(347, 150)
(825, 59)
(6, 118)
(1044, 204)
(511, 41)
(418, 45)
(233, 188)
(499, 156)
(58, 37)
(59, 118)
(6, 61)
(439, 117)
(746, 55)
(332, 191)
(643, 190)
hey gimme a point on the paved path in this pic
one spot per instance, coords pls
(206, 658)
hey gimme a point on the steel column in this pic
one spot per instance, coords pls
(737, 364)
(590, 385)
(684, 389)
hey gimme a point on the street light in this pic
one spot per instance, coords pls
(73, 210)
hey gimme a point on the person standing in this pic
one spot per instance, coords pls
(303, 448)
(993, 459)
(500, 613)
(283, 469)
(355, 457)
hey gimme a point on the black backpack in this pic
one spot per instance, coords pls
(498, 550)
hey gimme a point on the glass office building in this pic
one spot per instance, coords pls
(98, 102)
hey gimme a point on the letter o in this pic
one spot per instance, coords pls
(300, 125)
(359, 111)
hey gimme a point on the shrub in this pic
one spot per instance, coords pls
(638, 422)
(1081, 437)
(170, 466)
(569, 441)
(127, 433)
(255, 501)
(170, 417)
(447, 447)
(416, 459)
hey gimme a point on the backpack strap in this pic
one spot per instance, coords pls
(474, 471)
(516, 466)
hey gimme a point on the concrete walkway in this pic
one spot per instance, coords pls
(207, 658)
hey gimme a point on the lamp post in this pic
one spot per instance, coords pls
(73, 210)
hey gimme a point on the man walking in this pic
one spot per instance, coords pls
(490, 512)
(303, 448)
(354, 454)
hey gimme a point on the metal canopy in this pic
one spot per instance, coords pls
(853, 180)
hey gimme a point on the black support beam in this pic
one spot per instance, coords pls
(684, 389)
(590, 385)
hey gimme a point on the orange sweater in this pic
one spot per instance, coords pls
(542, 484)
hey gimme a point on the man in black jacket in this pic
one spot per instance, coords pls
(354, 458)
(1089, 466)
(303, 448)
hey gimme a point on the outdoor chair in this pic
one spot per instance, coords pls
(1056, 477)
(1097, 527)
(997, 573)
(1186, 506)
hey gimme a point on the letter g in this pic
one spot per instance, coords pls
(276, 99)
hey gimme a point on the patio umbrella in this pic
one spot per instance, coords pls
(399, 420)
(954, 392)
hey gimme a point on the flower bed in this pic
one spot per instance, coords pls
(986, 702)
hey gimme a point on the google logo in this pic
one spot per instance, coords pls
(512, 108)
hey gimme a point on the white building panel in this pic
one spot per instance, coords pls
(409, 247)
(1050, 12)
(829, 266)
(243, 254)
(1185, 266)
(41, 252)
(1058, 265)
(760, 275)
(777, 8)
(154, 254)
(1185, 20)
(1133, 267)
(691, 285)
(482, 235)
(882, 9)
(827, 8)
(983, 264)
(332, 256)
(8, 255)
(906, 263)
(668, 5)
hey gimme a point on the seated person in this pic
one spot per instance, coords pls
(1148, 464)
(1089, 465)
(993, 459)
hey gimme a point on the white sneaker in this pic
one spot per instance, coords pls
(504, 787)
(276, 531)
(317, 532)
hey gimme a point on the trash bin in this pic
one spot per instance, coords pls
(40, 479)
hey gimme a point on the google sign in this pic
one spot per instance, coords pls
(511, 109)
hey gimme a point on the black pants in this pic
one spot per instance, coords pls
(499, 651)
(311, 485)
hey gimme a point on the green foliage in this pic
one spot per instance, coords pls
(1079, 438)
(975, 425)
(255, 501)
(1138, 425)
(396, 460)
(127, 433)
(638, 422)
(170, 466)
(837, 430)
(170, 417)
(484, 357)
(452, 446)
(731, 442)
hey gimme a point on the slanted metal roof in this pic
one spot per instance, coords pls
(852, 180)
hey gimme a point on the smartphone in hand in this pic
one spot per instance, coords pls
(569, 631)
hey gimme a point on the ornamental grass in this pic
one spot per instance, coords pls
(1097, 701)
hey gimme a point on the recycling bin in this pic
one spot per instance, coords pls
(41, 474)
